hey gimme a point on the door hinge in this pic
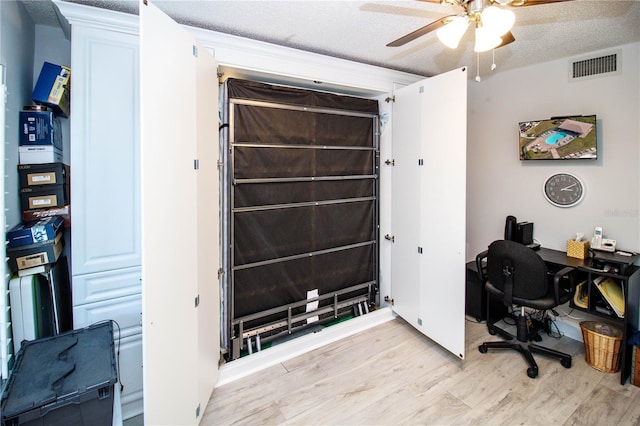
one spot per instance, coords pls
(391, 238)
(198, 411)
(195, 50)
(390, 162)
(197, 300)
(420, 162)
(220, 164)
(388, 300)
(390, 99)
(420, 250)
(196, 164)
(220, 273)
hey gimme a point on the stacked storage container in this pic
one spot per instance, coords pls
(39, 292)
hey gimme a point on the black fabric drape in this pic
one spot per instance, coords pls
(272, 141)
(253, 90)
(298, 192)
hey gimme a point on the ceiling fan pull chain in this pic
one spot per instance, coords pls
(493, 63)
(478, 79)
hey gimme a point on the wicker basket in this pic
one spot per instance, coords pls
(602, 344)
(635, 366)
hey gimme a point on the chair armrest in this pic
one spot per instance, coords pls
(479, 258)
(556, 281)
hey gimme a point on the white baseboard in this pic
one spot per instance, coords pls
(570, 326)
(250, 364)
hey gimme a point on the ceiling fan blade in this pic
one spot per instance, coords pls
(506, 39)
(421, 31)
(522, 3)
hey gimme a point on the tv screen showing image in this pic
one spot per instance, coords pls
(559, 138)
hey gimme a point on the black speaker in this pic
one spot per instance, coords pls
(510, 228)
(524, 233)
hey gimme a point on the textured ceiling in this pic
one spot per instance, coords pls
(359, 30)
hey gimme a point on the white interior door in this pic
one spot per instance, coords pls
(180, 238)
(428, 207)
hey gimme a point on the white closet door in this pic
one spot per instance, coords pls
(428, 207)
(180, 238)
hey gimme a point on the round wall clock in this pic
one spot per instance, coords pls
(563, 189)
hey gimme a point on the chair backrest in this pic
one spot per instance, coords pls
(528, 270)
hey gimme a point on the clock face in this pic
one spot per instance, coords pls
(563, 190)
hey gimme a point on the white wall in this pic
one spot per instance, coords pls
(23, 59)
(16, 49)
(53, 47)
(499, 184)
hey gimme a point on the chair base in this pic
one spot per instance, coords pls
(527, 352)
(520, 346)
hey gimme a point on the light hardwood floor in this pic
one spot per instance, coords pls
(392, 375)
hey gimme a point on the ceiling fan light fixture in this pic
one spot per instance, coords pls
(497, 20)
(451, 34)
(486, 40)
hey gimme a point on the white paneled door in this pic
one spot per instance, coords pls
(428, 207)
(180, 220)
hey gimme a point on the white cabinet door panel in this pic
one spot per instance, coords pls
(405, 212)
(428, 207)
(105, 184)
(100, 286)
(126, 311)
(443, 207)
(208, 227)
(180, 261)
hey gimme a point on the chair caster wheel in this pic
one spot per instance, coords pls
(532, 372)
(482, 349)
(492, 332)
(565, 362)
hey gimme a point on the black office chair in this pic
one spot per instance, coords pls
(516, 275)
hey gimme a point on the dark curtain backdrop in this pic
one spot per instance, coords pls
(270, 234)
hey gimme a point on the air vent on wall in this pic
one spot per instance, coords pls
(591, 67)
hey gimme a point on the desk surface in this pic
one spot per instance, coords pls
(552, 256)
(560, 258)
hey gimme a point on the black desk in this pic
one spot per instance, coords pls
(625, 273)
(560, 258)
(476, 296)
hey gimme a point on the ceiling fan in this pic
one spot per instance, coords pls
(492, 18)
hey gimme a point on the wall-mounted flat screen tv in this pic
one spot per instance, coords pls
(559, 138)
